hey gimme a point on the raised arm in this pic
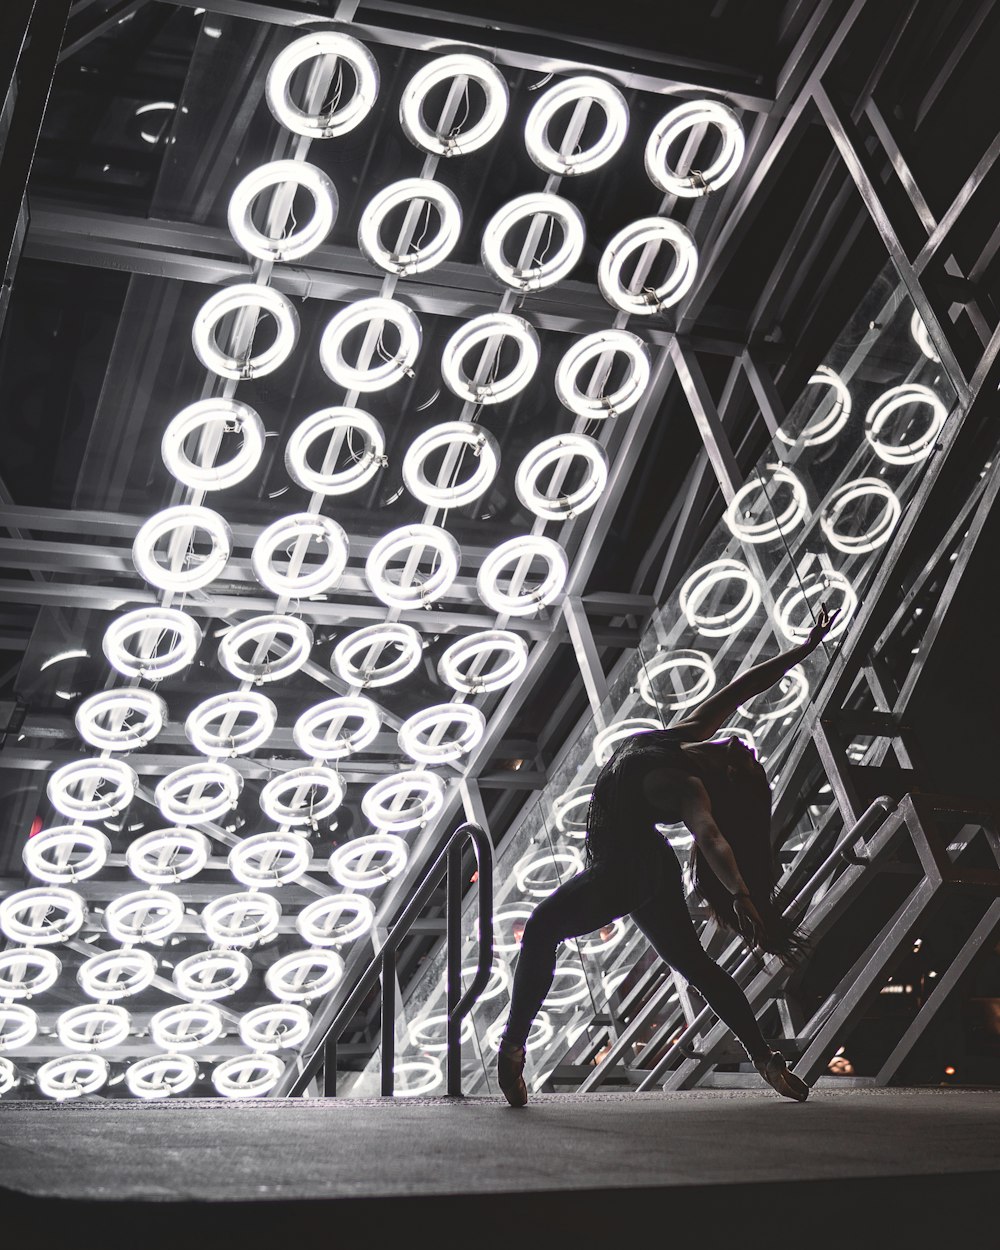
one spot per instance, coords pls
(709, 716)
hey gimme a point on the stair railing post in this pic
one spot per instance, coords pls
(454, 913)
(388, 1021)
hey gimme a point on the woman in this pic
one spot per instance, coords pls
(720, 791)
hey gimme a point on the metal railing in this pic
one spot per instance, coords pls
(383, 968)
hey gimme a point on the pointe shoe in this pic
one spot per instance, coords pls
(510, 1074)
(775, 1071)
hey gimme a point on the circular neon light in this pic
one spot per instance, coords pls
(264, 632)
(555, 452)
(159, 1076)
(459, 665)
(373, 640)
(369, 861)
(212, 974)
(576, 801)
(698, 587)
(601, 945)
(670, 661)
(9, 1077)
(270, 859)
(543, 273)
(335, 920)
(539, 1035)
(184, 517)
(450, 437)
(385, 806)
(892, 400)
(42, 916)
(213, 415)
(878, 533)
(773, 524)
(93, 1026)
(794, 601)
(794, 690)
(275, 1026)
(298, 531)
(511, 916)
(301, 241)
(417, 1076)
(823, 428)
(922, 338)
(247, 1076)
(430, 1034)
(480, 330)
(575, 991)
(634, 238)
(198, 793)
(596, 347)
(151, 625)
(186, 1026)
(18, 1026)
(375, 314)
(522, 602)
(530, 873)
(167, 855)
(304, 975)
(241, 919)
(66, 853)
(72, 1076)
(343, 116)
(116, 974)
(291, 798)
(27, 972)
(421, 257)
(421, 736)
(409, 544)
(441, 69)
(364, 463)
(144, 916)
(679, 121)
(607, 741)
(228, 739)
(317, 732)
(572, 91)
(497, 984)
(245, 299)
(120, 706)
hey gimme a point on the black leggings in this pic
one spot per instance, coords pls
(655, 901)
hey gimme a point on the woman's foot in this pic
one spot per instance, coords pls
(510, 1074)
(775, 1071)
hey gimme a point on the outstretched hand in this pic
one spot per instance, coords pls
(748, 920)
(824, 623)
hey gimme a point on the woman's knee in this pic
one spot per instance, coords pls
(540, 930)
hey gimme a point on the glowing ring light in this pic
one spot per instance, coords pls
(878, 534)
(92, 714)
(456, 665)
(264, 631)
(346, 116)
(234, 417)
(373, 312)
(431, 75)
(238, 299)
(212, 974)
(186, 1026)
(232, 703)
(241, 919)
(304, 975)
(167, 855)
(412, 540)
(283, 799)
(93, 1026)
(446, 436)
(528, 872)
(27, 972)
(147, 663)
(540, 1033)
(824, 428)
(366, 640)
(355, 865)
(363, 466)
(922, 339)
(145, 916)
(181, 796)
(891, 401)
(308, 579)
(247, 1076)
(431, 721)
(497, 984)
(795, 597)
(772, 527)
(419, 1077)
(275, 1026)
(170, 521)
(301, 241)
(421, 258)
(322, 922)
(317, 732)
(430, 1034)
(159, 1076)
(577, 989)
(270, 859)
(701, 582)
(116, 974)
(24, 916)
(634, 238)
(669, 661)
(679, 121)
(607, 741)
(744, 735)
(794, 687)
(48, 855)
(593, 347)
(379, 801)
(573, 800)
(18, 1026)
(571, 91)
(602, 946)
(72, 1076)
(559, 450)
(480, 330)
(9, 1076)
(544, 273)
(513, 551)
(512, 916)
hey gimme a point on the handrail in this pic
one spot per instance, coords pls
(383, 967)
